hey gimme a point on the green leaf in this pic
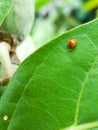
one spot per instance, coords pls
(89, 5)
(41, 3)
(5, 6)
(56, 88)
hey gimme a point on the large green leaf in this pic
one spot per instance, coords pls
(56, 88)
(5, 6)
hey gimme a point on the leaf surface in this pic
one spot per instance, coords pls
(56, 88)
(5, 6)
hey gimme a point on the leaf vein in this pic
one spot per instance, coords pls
(82, 89)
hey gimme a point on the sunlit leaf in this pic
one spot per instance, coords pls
(91, 4)
(41, 3)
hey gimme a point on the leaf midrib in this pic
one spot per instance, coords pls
(81, 91)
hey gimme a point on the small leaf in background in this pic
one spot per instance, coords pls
(90, 4)
(20, 18)
(41, 3)
(56, 88)
(5, 6)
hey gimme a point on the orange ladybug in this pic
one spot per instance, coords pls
(71, 43)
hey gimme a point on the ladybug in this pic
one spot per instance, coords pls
(72, 43)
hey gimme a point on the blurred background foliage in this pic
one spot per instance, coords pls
(53, 17)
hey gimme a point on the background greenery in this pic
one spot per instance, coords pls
(53, 17)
